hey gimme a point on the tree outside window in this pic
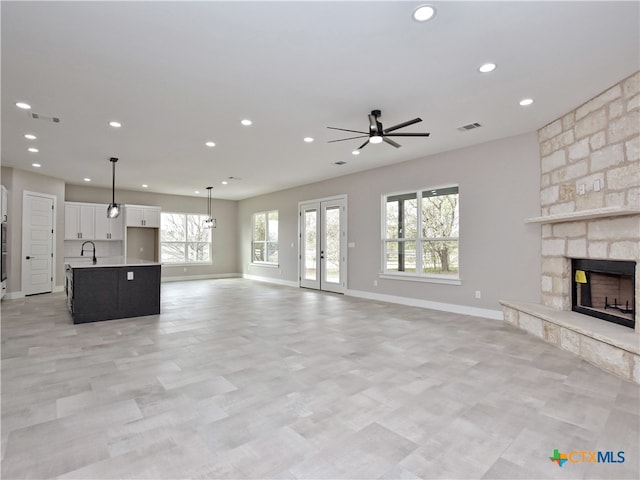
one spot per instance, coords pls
(432, 248)
(264, 242)
(184, 238)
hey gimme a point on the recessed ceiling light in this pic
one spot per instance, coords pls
(197, 191)
(210, 144)
(144, 185)
(526, 102)
(24, 106)
(355, 152)
(308, 139)
(29, 136)
(224, 182)
(36, 165)
(424, 13)
(33, 150)
(246, 122)
(115, 124)
(487, 67)
(87, 179)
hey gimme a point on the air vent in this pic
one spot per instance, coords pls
(340, 163)
(470, 126)
(46, 118)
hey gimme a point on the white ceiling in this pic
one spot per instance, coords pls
(177, 74)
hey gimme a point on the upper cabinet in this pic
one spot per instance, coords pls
(142, 216)
(108, 228)
(5, 204)
(89, 221)
(79, 221)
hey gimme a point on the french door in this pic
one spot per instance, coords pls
(323, 242)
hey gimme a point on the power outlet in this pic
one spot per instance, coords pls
(478, 294)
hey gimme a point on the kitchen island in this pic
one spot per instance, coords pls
(112, 290)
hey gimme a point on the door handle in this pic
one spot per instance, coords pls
(28, 257)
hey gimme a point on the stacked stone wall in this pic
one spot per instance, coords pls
(590, 160)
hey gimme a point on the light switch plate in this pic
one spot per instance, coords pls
(129, 275)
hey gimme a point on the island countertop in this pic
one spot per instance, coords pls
(86, 263)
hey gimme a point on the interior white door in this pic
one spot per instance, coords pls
(323, 237)
(37, 243)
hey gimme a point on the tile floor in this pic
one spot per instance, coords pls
(241, 379)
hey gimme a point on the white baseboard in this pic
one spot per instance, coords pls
(416, 302)
(14, 295)
(200, 277)
(277, 281)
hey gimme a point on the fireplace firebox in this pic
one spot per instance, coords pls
(604, 289)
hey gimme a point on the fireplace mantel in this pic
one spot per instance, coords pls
(584, 215)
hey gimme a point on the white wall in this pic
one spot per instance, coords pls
(499, 254)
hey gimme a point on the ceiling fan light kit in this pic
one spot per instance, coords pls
(378, 134)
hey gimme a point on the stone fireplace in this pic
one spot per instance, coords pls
(590, 212)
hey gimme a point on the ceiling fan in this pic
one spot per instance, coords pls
(378, 134)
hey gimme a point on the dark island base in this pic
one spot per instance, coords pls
(109, 293)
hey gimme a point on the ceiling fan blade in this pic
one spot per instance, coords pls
(350, 138)
(364, 144)
(403, 124)
(346, 130)
(391, 142)
(373, 124)
(408, 134)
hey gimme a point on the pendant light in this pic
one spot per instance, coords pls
(113, 210)
(209, 222)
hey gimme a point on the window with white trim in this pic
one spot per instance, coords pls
(184, 239)
(264, 238)
(421, 233)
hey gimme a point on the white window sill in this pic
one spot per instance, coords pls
(268, 265)
(198, 264)
(442, 279)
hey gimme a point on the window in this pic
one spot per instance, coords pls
(264, 240)
(184, 239)
(420, 234)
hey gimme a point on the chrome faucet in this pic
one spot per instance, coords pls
(93, 259)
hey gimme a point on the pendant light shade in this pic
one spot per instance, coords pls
(113, 210)
(209, 222)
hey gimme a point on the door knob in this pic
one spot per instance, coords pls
(28, 258)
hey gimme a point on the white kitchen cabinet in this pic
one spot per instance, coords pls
(79, 221)
(5, 204)
(107, 228)
(142, 216)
